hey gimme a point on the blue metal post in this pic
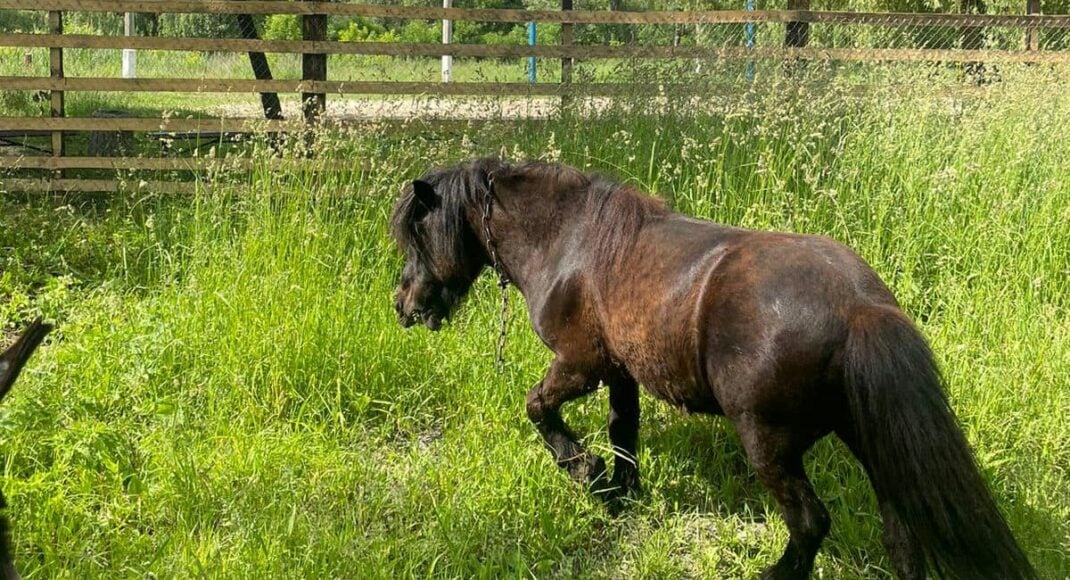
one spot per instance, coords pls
(531, 59)
(749, 33)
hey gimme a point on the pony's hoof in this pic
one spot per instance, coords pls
(615, 500)
(626, 483)
(590, 471)
(618, 494)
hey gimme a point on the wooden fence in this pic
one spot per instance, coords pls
(315, 48)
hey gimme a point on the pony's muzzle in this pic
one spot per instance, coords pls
(405, 319)
(417, 315)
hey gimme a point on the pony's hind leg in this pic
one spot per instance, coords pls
(906, 555)
(563, 383)
(776, 453)
(624, 434)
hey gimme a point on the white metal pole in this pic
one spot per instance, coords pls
(129, 54)
(447, 37)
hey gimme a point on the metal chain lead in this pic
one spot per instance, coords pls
(503, 279)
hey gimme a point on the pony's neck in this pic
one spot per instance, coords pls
(522, 234)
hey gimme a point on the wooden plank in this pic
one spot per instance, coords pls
(174, 163)
(97, 185)
(233, 125)
(20, 126)
(55, 71)
(365, 48)
(155, 43)
(335, 87)
(911, 55)
(43, 126)
(123, 163)
(152, 85)
(542, 16)
(431, 49)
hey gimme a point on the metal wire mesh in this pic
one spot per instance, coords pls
(924, 42)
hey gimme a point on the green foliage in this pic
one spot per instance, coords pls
(282, 27)
(201, 25)
(359, 30)
(419, 31)
(15, 21)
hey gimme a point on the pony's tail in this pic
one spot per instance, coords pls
(916, 455)
(15, 357)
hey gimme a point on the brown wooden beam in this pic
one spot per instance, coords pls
(893, 19)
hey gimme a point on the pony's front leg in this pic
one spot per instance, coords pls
(563, 383)
(624, 433)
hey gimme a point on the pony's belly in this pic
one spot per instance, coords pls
(678, 387)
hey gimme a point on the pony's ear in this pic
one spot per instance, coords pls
(425, 198)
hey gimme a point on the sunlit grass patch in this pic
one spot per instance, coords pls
(228, 393)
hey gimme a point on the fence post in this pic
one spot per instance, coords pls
(796, 34)
(973, 38)
(1032, 40)
(447, 37)
(129, 54)
(566, 62)
(55, 70)
(748, 32)
(313, 66)
(532, 38)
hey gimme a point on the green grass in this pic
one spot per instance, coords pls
(228, 394)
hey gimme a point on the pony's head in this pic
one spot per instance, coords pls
(432, 225)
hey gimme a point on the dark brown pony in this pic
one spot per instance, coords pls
(11, 363)
(791, 337)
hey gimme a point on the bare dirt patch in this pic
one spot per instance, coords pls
(409, 108)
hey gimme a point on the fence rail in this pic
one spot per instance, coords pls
(326, 8)
(31, 185)
(172, 163)
(314, 85)
(82, 41)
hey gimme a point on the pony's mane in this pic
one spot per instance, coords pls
(457, 188)
(617, 213)
(612, 213)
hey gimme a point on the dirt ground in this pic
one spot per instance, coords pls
(409, 108)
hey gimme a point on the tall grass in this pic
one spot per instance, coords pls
(229, 394)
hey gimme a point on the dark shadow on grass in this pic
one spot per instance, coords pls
(710, 475)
